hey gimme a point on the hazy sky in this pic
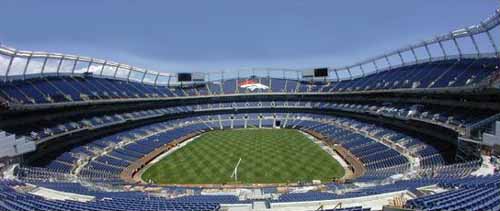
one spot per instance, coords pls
(213, 35)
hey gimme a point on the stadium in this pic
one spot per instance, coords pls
(417, 128)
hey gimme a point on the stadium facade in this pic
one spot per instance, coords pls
(418, 128)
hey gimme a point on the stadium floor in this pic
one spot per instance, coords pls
(267, 156)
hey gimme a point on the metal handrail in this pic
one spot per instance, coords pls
(482, 123)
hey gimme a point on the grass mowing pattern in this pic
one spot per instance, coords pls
(268, 156)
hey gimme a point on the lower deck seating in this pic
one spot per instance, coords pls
(470, 193)
(105, 158)
(12, 199)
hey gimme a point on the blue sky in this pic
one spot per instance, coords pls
(214, 35)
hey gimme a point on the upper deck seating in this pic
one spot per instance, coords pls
(438, 74)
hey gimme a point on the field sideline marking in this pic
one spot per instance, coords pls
(163, 155)
(343, 163)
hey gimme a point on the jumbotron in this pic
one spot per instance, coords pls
(417, 128)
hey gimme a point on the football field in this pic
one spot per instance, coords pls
(267, 156)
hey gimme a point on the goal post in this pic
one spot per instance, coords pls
(235, 171)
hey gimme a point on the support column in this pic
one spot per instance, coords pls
(402, 59)
(376, 66)
(156, 79)
(26, 67)
(388, 62)
(102, 68)
(428, 51)
(8, 66)
(59, 65)
(493, 44)
(414, 54)
(44, 64)
(129, 73)
(116, 71)
(475, 45)
(74, 65)
(90, 64)
(350, 74)
(443, 50)
(337, 74)
(144, 76)
(362, 70)
(457, 46)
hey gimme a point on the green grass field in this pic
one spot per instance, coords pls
(268, 156)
